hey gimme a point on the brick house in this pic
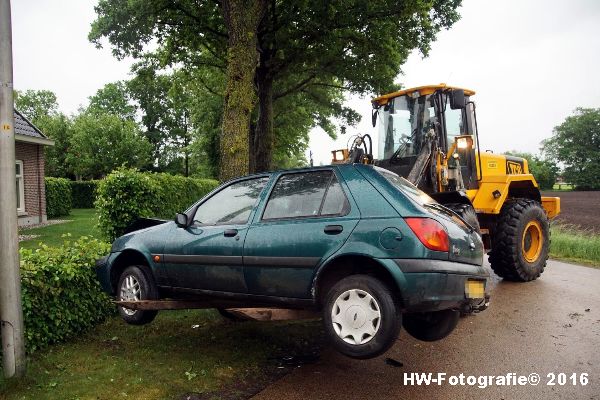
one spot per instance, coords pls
(30, 169)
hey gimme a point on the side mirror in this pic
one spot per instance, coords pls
(457, 99)
(181, 220)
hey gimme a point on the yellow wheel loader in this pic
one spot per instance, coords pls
(429, 135)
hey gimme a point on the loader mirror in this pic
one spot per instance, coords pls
(457, 99)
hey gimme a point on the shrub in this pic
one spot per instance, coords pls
(58, 197)
(60, 291)
(127, 194)
(84, 193)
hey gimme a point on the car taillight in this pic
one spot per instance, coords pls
(430, 232)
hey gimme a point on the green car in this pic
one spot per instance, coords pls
(362, 245)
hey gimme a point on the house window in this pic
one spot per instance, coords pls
(20, 187)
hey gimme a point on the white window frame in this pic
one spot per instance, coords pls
(21, 194)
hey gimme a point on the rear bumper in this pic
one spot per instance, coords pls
(433, 285)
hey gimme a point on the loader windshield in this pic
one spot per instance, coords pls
(403, 123)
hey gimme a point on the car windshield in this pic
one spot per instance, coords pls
(406, 187)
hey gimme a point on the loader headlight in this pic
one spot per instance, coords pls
(464, 142)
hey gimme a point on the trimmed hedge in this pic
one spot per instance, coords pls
(127, 194)
(61, 294)
(84, 193)
(58, 197)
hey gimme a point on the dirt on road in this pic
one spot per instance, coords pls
(549, 326)
(580, 209)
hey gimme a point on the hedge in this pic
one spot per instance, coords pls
(127, 194)
(58, 197)
(84, 193)
(61, 294)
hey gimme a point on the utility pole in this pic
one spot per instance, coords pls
(11, 309)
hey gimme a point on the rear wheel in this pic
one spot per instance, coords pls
(360, 316)
(431, 326)
(520, 241)
(136, 284)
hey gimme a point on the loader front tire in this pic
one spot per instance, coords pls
(520, 241)
(466, 212)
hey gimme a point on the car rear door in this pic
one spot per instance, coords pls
(207, 255)
(307, 217)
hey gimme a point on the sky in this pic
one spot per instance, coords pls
(531, 62)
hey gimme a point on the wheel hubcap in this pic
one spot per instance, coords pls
(532, 241)
(356, 316)
(130, 291)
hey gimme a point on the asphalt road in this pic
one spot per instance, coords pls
(551, 325)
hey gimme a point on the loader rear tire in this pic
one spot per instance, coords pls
(520, 241)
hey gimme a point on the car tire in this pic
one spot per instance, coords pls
(521, 241)
(136, 283)
(431, 326)
(361, 317)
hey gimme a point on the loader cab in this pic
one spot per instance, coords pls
(436, 121)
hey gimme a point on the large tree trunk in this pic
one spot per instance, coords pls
(263, 136)
(241, 18)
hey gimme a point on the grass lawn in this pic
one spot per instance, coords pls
(181, 352)
(577, 246)
(82, 222)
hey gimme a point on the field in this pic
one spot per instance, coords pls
(579, 210)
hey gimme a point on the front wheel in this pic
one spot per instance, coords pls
(136, 284)
(521, 241)
(360, 316)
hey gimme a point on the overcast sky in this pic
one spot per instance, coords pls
(531, 62)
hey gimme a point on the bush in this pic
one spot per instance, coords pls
(60, 291)
(58, 197)
(84, 193)
(127, 194)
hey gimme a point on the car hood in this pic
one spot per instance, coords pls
(151, 238)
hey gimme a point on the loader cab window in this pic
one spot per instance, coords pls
(455, 121)
(398, 128)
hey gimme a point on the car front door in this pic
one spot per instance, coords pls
(207, 255)
(307, 217)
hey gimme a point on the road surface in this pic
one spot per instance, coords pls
(551, 325)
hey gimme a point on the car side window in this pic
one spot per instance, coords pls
(335, 202)
(231, 205)
(303, 194)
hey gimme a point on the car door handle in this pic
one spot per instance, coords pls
(230, 232)
(333, 229)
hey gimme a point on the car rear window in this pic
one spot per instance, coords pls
(405, 187)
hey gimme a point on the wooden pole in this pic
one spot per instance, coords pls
(11, 311)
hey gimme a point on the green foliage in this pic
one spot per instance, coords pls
(127, 194)
(36, 104)
(84, 193)
(58, 197)
(544, 171)
(576, 144)
(312, 49)
(102, 142)
(112, 99)
(60, 292)
(576, 245)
